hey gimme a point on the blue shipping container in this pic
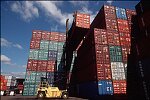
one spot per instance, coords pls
(121, 13)
(105, 87)
(52, 55)
(50, 78)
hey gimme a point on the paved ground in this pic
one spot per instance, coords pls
(20, 97)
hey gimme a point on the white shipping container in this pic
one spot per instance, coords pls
(118, 72)
(10, 80)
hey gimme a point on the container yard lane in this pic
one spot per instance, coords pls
(20, 97)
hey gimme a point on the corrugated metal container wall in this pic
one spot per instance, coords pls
(32, 65)
(10, 81)
(53, 45)
(43, 55)
(125, 39)
(52, 55)
(33, 54)
(36, 35)
(111, 24)
(110, 18)
(45, 35)
(50, 65)
(42, 66)
(54, 36)
(123, 25)
(118, 72)
(35, 44)
(121, 13)
(104, 72)
(130, 13)
(44, 44)
(102, 54)
(113, 38)
(82, 20)
(119, 87)
(100, 36)
(125, 52)
(3, 83)
(115, 53)
(105, 87)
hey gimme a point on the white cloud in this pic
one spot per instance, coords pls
(79, 3)
(18, 46)
(5, 59)
(26, 9)
(54, 12)
(109, 2)
(87, 11)
(6, 43)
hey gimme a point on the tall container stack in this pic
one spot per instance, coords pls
(42, 61)
(3, 83)
(102, 57)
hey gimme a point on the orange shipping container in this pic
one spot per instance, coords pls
(119, 86)
(123, 25)
(54, 36)
(82, 20)
(36, 34)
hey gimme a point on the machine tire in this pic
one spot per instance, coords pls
(41, 95)
(65, 95)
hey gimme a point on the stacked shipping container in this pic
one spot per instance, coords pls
(3, 83)
(11, 81)
(102, 56)
(44, 59)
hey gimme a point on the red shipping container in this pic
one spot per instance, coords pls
(123, 25)
(102, 54)
(125, 39)
(46, 35)
(82, 20)
(42, 65)
(50, 65)
(54, 36)
(35, 44)
(103, 72)
(109, 12)
(3, 87)
(32, 65)
(113, 37)
(100, 36)
(62, 37)
(36, 34)
(130, 13)
(125, 52)
(111, 24)
(119, 86)
(110, 18)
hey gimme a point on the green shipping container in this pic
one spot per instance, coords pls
(44, 44)
(59, 55)
(115, 53)
(53, 45)
(60, 45)
(33, 54)
(25, 92)
(43, 55)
